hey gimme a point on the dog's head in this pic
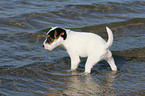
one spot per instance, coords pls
(54, 38)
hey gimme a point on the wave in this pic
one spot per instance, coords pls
(38, 37)
(73, 15)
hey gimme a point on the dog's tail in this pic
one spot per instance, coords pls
(110, 38)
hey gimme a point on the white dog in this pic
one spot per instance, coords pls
(81, 44)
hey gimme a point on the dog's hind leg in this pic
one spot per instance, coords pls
(111, 62)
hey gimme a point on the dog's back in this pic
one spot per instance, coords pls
(83, 43)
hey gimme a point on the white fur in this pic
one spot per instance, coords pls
(81, 44)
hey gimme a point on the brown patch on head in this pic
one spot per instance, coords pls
(61, 32)
(48, 36)
(55, 34)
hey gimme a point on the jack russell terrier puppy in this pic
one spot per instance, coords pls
(81, 44)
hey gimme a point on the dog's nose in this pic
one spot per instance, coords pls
(43, 46)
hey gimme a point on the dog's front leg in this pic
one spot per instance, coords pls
(75, 60)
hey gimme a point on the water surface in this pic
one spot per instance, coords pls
(26, 69)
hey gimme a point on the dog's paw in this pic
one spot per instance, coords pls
(84, 73)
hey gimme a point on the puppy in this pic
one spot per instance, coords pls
(81, 44)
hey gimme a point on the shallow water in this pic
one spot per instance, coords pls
(26, 69)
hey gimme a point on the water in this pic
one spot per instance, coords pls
(26, 69)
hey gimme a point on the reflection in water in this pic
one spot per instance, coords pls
(86, 85)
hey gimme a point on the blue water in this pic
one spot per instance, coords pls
(26, 69)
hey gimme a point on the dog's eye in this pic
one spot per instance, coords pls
(49, 40)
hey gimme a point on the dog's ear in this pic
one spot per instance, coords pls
(60, 32)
